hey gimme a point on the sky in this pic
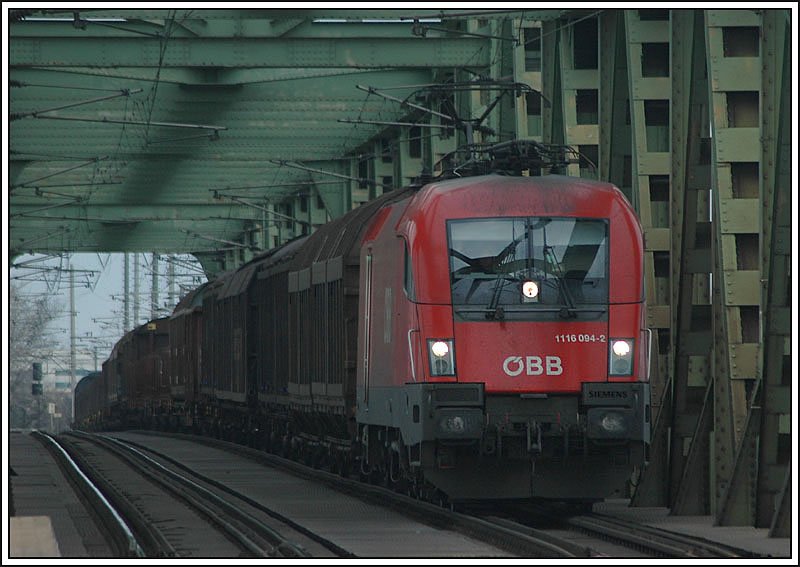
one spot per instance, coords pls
(99, 292)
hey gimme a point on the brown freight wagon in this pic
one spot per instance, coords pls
(142, 374)
(90, 401)
(185, 358)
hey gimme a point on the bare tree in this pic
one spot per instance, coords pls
(27, 343)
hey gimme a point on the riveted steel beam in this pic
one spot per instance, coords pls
(691, 322)
(527, 69)
(615, 134)
(411, 13)
(773, 500)
(178, 24)
(781, 525)
(738, 501)
(242, 27)
(209, 78)
(249, 52)
(331, 15)
(686, 369)
(502, 119)
(552, 113)
(649, 98)
(693, 498)
(763, 460)
(132, 227)
(763, 456)
(733, 57)
(580, 91)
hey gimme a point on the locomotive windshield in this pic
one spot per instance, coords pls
(515, 268)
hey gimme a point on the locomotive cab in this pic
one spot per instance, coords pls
(514, 357)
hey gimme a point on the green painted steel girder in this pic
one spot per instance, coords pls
(200, 77)
(615, 142)
(763, 460)
(249, 52)
(690, 298)
(112, 166)
(134, 212)
(415, 12)
(351, 15)
(266, 27)
(773, 500)
(647, 143)
(149, 234)
(736, 290)
(214, 100)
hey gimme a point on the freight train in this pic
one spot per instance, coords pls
(472, 338)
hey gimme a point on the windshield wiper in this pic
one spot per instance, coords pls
(493, 311)
(569, 311)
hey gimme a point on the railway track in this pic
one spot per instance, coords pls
(520, 530)
(569, 536)
(517, 542)
(607, 536)
(655, 542)
(169, 514)
(115, 529)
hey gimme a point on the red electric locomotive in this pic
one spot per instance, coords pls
(502, 345)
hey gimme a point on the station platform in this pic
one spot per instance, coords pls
(32, 536)
(755, 540)
(47, 519)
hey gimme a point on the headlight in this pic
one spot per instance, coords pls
(530, 291)
(440, 349)
(608, 423)
(452, 424)
(440, 356)
(620, 357)
(621, 348)
(613, 422)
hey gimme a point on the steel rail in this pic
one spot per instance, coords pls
(328, 544)
(123, 538)
(196, 496)
(522, 543)
(667, 543)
